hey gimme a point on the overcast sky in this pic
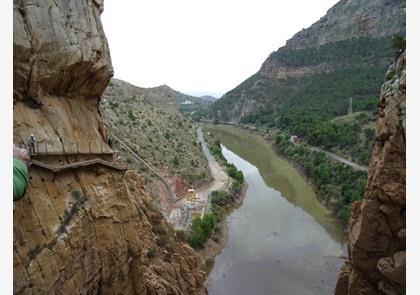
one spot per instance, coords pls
(197, 46)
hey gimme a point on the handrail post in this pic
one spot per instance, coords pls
(77, 146)
(90, 151)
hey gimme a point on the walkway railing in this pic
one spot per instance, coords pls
(43, 148)
(76, 165)
(149, 166)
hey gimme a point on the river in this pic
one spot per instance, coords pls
(281, 240)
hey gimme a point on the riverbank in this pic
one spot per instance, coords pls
(336, 185)
(296, 186)
(215, 244)
(281, 239)
(223, 182)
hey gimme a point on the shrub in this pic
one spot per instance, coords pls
(398, 42)
(201, 229)
(175, 161)
(131, 116)
(340, 184)
(235, 173)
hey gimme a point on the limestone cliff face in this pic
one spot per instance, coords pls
(354, 35)
(90, 230)
(353, 19)
(377, 225)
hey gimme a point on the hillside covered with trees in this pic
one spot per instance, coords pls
(301, 89)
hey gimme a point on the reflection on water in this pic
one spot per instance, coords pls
(275, 246)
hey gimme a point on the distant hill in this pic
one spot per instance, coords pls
(208, 97)
(189, 104)
(148, 120)
(304, 85)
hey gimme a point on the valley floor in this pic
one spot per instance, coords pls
(198, 202)
(332, 155)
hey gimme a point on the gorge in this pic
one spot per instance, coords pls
(126, 226)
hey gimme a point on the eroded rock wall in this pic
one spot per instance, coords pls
(353, 19)
(90, 230)
(377, 225)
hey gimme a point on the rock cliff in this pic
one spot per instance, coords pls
(351, 42)
(91, 230)
(376, 234)
(353, 19)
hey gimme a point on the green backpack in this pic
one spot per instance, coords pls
(20, 179)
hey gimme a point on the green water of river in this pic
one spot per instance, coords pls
(282, 240)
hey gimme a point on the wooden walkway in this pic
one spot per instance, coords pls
(76, 165)
(72, 153)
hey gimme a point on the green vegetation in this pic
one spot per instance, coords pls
(220, 201)
(340, 52)
(352, 137)
(192, 178)
(398, 42)
(201, 229)
(339, 185)
(216, 150)
(307, 105)
(311, 117)
(175, 161)
(190, 104)
(235, 173)
(131, 116)
(158, 133)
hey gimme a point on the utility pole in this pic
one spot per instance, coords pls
(350, 105)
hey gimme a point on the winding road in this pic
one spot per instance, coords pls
(220, 181)
(355, 166)
(336, 157)
(184, 209)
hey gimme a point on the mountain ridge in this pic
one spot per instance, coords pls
(303, 86)
(351, 19)
(301, 49)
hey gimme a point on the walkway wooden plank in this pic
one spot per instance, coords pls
(71, 153)
(76, 165)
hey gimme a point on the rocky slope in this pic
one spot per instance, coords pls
(377, 225)
(148, 121)
(353, 19)
(90, 230)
